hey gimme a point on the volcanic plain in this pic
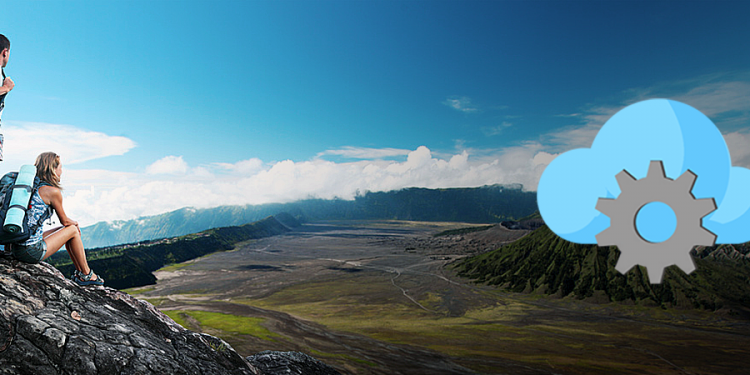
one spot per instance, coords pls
(379, 297)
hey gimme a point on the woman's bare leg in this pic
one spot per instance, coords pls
(51, 251)
(69, 236)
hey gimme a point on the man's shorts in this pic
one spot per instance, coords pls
(31, 253)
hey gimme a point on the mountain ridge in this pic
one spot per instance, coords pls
(491, 203)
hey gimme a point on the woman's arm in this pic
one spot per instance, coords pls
(53, 195)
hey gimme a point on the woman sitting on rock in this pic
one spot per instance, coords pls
(43, 244)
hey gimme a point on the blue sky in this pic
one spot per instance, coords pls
(163, 104)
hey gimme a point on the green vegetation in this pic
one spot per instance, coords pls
(455, 232)
(502, 328)
(177, 316)
(174, 267)
(544, 263)
(232, 324)
(137, 291)
(129, 266)
(535, 216)
(220, 347)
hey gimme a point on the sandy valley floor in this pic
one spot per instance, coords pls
(376, 298)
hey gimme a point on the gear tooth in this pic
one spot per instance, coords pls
(704, 206)
(686, 264)
(656, 169)
(686, 181)
(655, 274)
(705, 237)
(606, 206)
(625, 180)
(605, 238)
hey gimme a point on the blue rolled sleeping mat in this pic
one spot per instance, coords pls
(19, 199)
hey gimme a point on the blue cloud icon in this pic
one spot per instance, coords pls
(681, 137)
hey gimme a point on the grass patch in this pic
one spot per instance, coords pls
(195, 292)
(344, 306)
(432, 301)
(138, 290)
(154, 301)
(235, 324)
(455, 232)
(174, 267)
(177, 317)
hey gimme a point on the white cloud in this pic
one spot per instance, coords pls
(462, 104)
(365, 153)
(571, 137)
(25, 140)
(713, 98)
(721, 97)
(249, 166)
(96, 195)
(168, 165)
(738, 143)
(497, 129)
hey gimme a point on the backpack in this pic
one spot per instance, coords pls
(16, 227)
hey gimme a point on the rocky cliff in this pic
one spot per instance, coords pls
(50, 325)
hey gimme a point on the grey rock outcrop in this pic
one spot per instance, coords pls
(293, 363)
(50, 325)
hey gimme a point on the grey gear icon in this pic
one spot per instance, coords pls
(634, 195)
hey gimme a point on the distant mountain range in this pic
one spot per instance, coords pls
(542, 262)
(486, 204)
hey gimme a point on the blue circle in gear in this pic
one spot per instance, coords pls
(656, 222)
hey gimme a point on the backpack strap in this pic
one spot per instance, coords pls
(27, 187)
(2, 97)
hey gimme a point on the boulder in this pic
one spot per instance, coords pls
(294, 363)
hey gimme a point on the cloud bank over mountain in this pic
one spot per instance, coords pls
(170, 183)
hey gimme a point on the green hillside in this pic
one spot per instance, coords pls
(544, 263)
(132, 265)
